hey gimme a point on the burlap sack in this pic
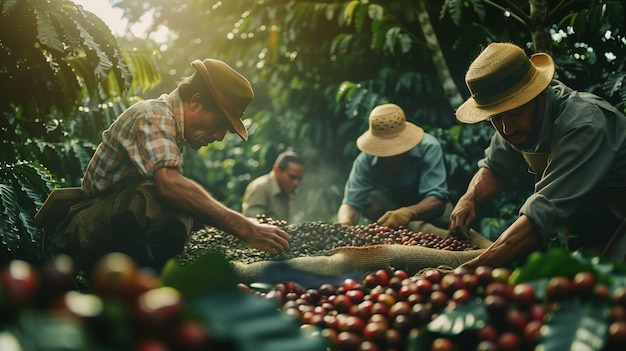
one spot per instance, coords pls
(362, 259)
(348, 260)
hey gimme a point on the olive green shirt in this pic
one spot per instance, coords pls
(264, 196)
(585, 138)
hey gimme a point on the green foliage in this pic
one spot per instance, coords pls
(209, 273)
(53, 54)
(55, 57)
(144, 73)
(209, 287)
(470, 315)
(318, 68)
(589, 52)
(256, 324)
(543, 265)
(577, 326)
(581, 322)
(22, 189)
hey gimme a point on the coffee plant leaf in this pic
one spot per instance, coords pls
(40, 330)
(576, 325)
(470, 315)
(254, 323)
(549, 264)
(114, 324)
(209, 272)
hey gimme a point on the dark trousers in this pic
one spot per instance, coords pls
(595, 225)
(134, 221)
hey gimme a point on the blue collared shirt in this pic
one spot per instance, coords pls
(423, 174)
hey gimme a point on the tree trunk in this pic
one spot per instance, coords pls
(539, 27)
(451, 90)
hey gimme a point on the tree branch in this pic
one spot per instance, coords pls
(510, 7)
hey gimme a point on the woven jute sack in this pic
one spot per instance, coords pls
(344, 260)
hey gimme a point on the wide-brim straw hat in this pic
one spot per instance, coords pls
(503, 78)
(389, 133)
(232, 91)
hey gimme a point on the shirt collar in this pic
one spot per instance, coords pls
(546, 125)
(174, 100)
(411, 153)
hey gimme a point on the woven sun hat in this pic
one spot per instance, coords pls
(232, 91)
(502, 78)
(389, 133)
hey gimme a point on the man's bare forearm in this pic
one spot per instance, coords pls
(515, 242)
(194, 200)
(483, 186)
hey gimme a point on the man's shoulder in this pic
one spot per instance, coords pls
(426, 145)
(429, 139)
(361, 161)
(259, 182)
(154, 105)
(363, 157)
(157, 106)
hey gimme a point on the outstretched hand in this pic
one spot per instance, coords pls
(396, 218)
(462, 217)
(268, 238)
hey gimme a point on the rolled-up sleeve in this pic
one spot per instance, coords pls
(154, 145)
(502, 160)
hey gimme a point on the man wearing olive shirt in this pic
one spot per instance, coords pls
(273, 194)
(574, 143)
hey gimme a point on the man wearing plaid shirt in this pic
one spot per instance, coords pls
(137, 200)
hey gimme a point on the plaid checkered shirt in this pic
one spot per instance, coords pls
(145, 137)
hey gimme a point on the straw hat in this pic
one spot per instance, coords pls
(502, 78)
(389, 133)
(231, 90)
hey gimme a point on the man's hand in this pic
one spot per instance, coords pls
(396, 218)
(192, 199)
(462, 217)
(347, 215)
(515, 242)
(268, 238)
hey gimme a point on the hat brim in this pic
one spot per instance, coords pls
(385, 147)
(235, 121)
(471, 112)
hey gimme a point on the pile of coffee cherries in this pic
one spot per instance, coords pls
(125, 308)
(388, 310)
(314, 238)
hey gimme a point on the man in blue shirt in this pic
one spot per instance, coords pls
(398, 178)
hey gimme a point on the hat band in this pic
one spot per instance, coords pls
(485, 90)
